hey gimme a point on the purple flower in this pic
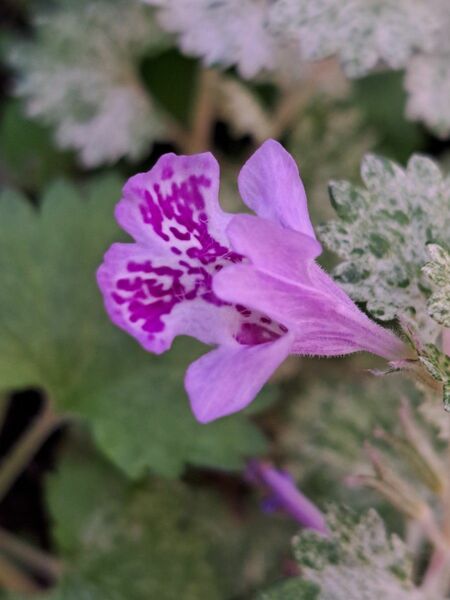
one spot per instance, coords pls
(247, 284)
(285, 495)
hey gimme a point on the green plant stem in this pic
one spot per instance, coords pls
(26, 447)
(14, 579)
(37, 560)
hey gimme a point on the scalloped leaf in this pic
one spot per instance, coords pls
(359, 560)
(361, 32)
(119, 543)
(54, 334)
(438, 271)
(79, 74)
(222, 33)
(428, 85)
(262, 35)
(438, 366)
(428, 78)
(382, 235)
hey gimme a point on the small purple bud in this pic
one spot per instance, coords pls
(285, 495)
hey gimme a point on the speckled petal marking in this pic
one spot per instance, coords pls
(167, 275)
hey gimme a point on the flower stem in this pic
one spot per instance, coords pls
(446, 341)
(37, 560)
(4, 405)
(13, 579)
(204, 111)
(289, 107)
(295, 98)
(26, 447)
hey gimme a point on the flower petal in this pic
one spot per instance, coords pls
(161, 286)
(270, 184)
(227, 379)
(321, 323)
(280, 251)
(173, 202)
(154, 298)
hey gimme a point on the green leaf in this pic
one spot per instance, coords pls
(292, 589)
(54, 334)
(359, 560)
(79, 74)
(381, 98)
(177, 92)
(438, 271)
(382, 235)
(27, 153)
(95, 511)
(436, 362)
(438, 366)
(119, 543)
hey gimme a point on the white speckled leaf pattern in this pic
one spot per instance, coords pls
(438, 271)
(87, 89)
(382, 235)
(361, 32)
(359, 562)
(428, 85)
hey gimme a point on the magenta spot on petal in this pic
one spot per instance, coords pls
(240, 308)
(179, 234)
(148, 291)
(118, 299)
(145, 267)
(251, 334)
(129, 285)
(167, 173)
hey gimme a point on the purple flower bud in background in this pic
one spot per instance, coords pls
(283, 494)
(246, 284)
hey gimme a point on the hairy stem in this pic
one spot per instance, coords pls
(26, 447)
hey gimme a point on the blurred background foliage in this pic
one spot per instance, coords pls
(120, 493)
